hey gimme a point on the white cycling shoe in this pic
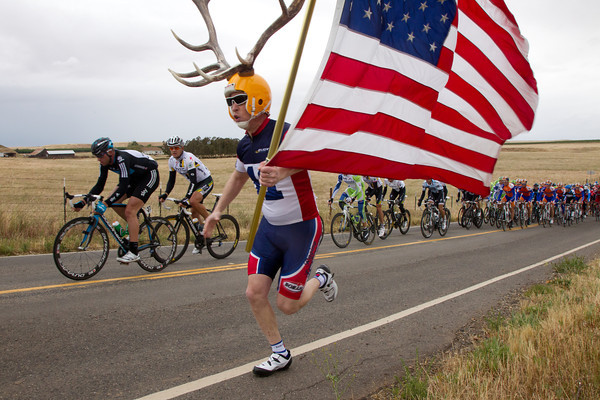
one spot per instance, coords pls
(276, 362)
(329, 289)
(129, 257)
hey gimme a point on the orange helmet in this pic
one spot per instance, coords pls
(257, 89)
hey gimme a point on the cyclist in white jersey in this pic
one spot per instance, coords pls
(398, 192)
(437, 193)
(198, 175)
(290, 231)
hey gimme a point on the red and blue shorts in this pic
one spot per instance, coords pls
(289, 249)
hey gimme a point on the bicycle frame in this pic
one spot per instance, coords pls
(101, 218)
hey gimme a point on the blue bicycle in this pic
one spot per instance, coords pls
(81, 246)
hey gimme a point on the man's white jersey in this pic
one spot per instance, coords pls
(394, 184)
(186, 162)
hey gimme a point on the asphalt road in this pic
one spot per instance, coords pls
(189, 331)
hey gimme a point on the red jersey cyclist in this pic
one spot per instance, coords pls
(548, 195)
(510, 193)
(525, 193)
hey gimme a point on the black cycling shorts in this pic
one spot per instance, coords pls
(142, 188)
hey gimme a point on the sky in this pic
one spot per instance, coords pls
(75, 70)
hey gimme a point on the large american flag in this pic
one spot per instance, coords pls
(416, 89)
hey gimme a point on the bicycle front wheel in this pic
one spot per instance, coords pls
(388, 223)
(156, 244)
(79, 251)
(369, 232)
(404, 224)
(426, 224)
(341, 230)
(225, 237)
(182, 232)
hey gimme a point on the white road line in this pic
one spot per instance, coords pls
(241, 370)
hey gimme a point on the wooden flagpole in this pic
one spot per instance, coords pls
(281, 119)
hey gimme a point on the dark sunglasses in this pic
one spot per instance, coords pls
(238, 99)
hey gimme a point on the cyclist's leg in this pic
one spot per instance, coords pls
(342, 201)
(134, 205)
(138, 196)
(198, 209)
(201, 190)
(440, 205)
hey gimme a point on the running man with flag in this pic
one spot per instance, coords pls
(291, 230)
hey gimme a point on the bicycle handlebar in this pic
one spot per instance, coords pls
(177, 201)
(88, 197)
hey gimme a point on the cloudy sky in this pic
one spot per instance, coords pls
(74, 70)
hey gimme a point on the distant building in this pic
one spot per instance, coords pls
(61, 153)
(152, 151)
(43, 153)
(39, 153)
(7, 152)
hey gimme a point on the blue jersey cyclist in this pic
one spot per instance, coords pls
(509, 195)
(436, 193)
(290, 230)
(524, 193)
(138, 179)
(547, 195)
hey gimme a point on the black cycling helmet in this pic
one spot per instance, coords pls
(101, 146)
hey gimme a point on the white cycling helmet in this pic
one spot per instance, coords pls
(174, 141)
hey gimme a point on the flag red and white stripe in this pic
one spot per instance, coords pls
(379, 111)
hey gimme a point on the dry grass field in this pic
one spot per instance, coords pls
(31, 190)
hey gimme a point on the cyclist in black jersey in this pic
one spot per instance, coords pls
(138, 179)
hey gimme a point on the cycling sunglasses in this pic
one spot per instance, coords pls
(238, 99)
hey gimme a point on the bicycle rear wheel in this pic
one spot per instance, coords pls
(225, 237)
(156, 244)
(341, 230)
(182, 232)
(79, 251)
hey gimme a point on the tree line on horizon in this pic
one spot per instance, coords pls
(201, 147)
(208, 146)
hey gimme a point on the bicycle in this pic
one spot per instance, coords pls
(522, 214)
(503, 219)
(431, 220)
(344, 225)
(536, 213)
(221, 244)
(470, 214)
(376, 222)
(396, 219)
(81, 246)
(546, 214)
